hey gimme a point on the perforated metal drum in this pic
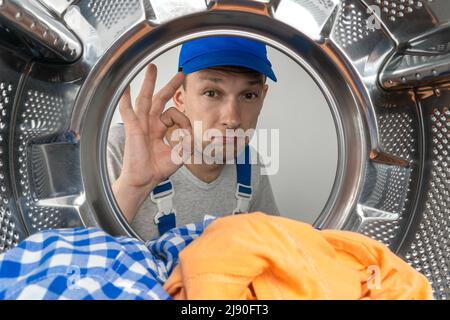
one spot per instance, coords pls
(384, 67)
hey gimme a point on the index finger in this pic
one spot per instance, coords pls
(165, 94)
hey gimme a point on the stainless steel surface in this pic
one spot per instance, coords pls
(412, 70)
(12, 227)
(57, 7)
(33, 20)
(383, 67)
(428, 245)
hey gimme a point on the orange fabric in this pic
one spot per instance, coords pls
(259, 256)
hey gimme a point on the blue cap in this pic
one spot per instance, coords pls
(216, 51)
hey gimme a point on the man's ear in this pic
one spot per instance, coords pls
(178, 99)
(265, 88)
(264, 92)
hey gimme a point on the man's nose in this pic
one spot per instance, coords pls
(231, 117)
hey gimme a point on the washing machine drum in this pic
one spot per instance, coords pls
(384, 67)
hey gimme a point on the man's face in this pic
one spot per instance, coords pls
(222, 100)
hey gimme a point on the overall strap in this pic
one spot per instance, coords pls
(244, 185)
(165, 217)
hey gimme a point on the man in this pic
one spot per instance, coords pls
(222, 87)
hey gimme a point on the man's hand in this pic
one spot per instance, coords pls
(147, 159)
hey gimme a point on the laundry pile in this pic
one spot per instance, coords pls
(245, 256)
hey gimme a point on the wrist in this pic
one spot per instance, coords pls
(129, 197)
(132, 189)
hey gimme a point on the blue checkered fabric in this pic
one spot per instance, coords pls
(87, 263)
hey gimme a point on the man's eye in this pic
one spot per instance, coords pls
(251, 95)
(210, 93)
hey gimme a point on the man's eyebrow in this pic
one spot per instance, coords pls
(259, 81)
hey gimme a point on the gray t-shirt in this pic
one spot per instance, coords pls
(193, 197)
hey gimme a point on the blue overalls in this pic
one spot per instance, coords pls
(163, 193)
